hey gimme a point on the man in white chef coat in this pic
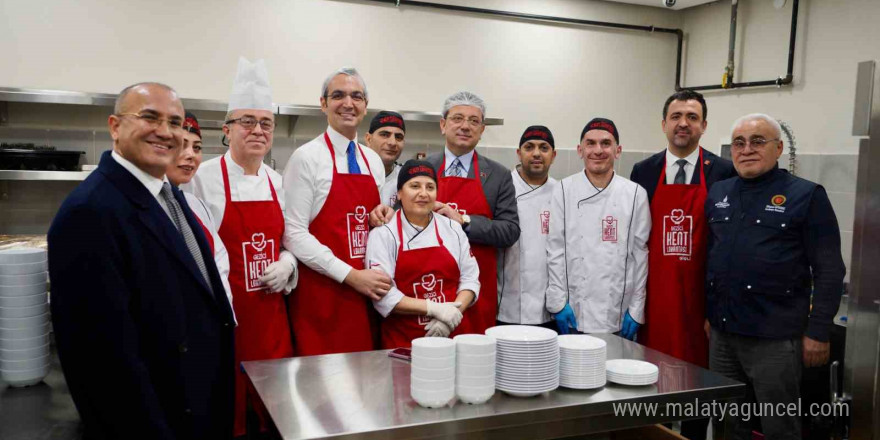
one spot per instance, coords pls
(386, 138)
(597, 249)
(522, 275)
(246, 197)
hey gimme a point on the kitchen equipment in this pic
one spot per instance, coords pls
(38, 157)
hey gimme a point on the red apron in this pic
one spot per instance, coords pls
(467, 196)
(251, 232)
(326, 316)
(675, 308)
(428, 273)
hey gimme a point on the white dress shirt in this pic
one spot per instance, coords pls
(388, 191)
(467, 159)
(382, 247)
(689, 167)
(207, 185)
(307, 180)
(221, 256)
(153, 185)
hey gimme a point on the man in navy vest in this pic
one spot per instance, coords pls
(774, 241)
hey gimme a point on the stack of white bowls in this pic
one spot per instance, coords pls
(474, 368)
(631, 372)
(528, 359)
(432, 381)
(581, 362)
(24, 316)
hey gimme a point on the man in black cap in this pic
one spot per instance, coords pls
(522, 276)
(386, 137)
(597, 248)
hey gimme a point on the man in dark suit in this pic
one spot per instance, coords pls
(142, 322)
(677, 180)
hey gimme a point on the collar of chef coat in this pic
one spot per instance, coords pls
(691, 159)
(466, 160)
(153, 185)
(340, 142)
(237, 172)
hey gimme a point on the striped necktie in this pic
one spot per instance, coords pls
(456, 170)
(183, 227)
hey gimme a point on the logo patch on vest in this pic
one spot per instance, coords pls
(722, 204)
(776, 203)
(257, 254)
(357, 232)
(429, 289)
(678, 232)
(545, 222)
(609, 229)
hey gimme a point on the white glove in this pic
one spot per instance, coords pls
(437, 329)
(275, 276)
(447, 313)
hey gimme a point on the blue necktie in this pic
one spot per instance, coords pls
(457, 169)
(353, 167)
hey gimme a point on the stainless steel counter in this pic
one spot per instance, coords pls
(366, 396)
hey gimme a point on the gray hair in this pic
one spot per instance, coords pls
(120, 98)
(758, 117)
(350, 71)
(464, 98)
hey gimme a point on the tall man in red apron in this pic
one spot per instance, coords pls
(246, 196)
(478, 193)
(677, 180)
(332, 183)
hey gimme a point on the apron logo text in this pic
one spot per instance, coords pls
(545, 222)
(429, 289)
(257, 254)
(678, 234)
(609, 229)
(357, 232)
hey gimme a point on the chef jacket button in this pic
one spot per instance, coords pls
(182, 348)
(758, 221)
(748, 287)
(726, 218)
(783, 225)
(724, 319)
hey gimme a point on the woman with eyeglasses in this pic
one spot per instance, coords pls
(435, 276)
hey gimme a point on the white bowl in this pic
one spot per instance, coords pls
(29, 364)
(23, 280)
(433, 347)
(476, 359)
(25, 332)
(23, 344)
(24, 268)
(24, 378)
(20, 323)
(22, 255)
(24, 354)
(475, 370)
(474, 344)
(432, 399)
(24, 301)
(445, 373)
(474, 395)
(431, 385)
(25, 290)
(475, 381)
(24, 312)
(433, 363)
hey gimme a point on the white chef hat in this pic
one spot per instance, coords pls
(250, 89)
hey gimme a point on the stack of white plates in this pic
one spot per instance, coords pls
(631, 372)
(475, 368)
(528, 359)
(432, 381)
(24, 316)
(581, 362)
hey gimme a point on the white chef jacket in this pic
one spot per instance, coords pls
(689, 167)
(221, 257)
(522, 272)
(382, 247)
(307, 180)
(207, 185)
(597, 251)
(388, 191)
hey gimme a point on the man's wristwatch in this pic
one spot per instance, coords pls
(465, 221)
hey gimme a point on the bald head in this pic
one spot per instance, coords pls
(123, 99)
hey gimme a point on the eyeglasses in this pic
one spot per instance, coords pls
(250, 122)
(757, 143)
(355, 96)
(174, 123)
(472, 121)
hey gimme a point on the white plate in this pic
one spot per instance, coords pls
(630, 367)
(521, 333)
(517, 393)
(25, 290)
(22, 280)
(23, 255)
(24, 268)
(577, 386)
(581, 342)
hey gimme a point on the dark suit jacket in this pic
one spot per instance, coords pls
(146, 347)
(647, 172)
(503, 230)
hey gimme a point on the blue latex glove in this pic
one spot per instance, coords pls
(630, 327)
(565, 319)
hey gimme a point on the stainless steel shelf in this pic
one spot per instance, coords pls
(10, 94)
(43, 175)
